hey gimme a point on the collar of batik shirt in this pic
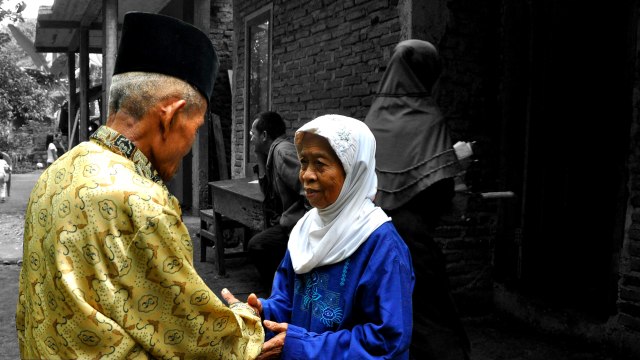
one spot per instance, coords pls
(119, 144)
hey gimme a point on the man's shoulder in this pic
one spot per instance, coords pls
(91, 159)
(284, 147)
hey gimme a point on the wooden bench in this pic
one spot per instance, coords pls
(237, 203)
(208, 238)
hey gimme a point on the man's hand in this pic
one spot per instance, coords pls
(228, 296)
(272, 349)
(256, 307)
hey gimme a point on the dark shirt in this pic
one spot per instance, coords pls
(284, 197)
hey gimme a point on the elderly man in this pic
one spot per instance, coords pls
(108, 263)
(284, 198)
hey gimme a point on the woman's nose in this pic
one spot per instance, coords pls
(308, 175)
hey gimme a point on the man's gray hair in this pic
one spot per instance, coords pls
(136, 92)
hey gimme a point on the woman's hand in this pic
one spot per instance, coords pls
(272, 349)
(255, 303)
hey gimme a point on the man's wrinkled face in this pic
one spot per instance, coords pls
(178, 143)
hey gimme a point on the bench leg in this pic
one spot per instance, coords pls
(219, 243)
(203, 242)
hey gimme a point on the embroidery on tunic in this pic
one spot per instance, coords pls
(323, 303)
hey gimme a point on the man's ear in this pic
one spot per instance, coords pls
(168, 110)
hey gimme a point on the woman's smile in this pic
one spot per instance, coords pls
(310, 193)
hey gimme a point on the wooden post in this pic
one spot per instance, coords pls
(109, 50)
(84, 84)
(71, 102)
(218, 141)
(198, 13)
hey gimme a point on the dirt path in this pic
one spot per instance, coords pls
(8, 298)
(12, 216)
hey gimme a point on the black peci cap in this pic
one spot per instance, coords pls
(162, 44)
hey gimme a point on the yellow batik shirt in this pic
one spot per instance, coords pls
(108, 267)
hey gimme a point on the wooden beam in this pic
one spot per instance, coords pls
(198, 12)
(90, 13)
(84, 84)
(71, 102)
(65, 49)
(109, 49)
(202, 15)
(88, 18)
(58, 24)
(218, 141)
(74, 44)
(64, 24)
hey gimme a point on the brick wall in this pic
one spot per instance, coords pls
(328, 57)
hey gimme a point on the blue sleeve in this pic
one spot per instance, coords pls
(385, 301)
(278, 306)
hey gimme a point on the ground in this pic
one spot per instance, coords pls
(493, 336)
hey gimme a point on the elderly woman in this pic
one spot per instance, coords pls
(344, 287)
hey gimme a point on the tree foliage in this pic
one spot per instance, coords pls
(22, 98)
(24, 91)
(14, 14)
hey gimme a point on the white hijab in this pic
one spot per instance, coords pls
(330, 235)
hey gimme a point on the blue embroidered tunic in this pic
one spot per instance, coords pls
(359, 308)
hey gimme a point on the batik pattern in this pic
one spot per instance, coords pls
(108, 267)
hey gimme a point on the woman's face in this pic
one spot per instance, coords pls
(321, 172)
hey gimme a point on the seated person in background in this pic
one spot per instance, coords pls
(344, 287)
(108, 260)
(284, 200)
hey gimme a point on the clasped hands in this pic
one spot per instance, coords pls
(271, 349)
